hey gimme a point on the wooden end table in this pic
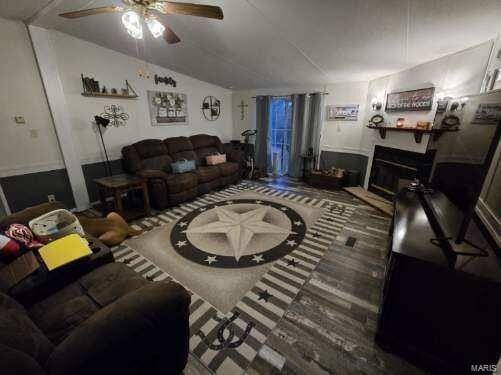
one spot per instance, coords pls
(119, 185)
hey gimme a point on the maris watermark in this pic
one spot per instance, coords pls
(483, 368)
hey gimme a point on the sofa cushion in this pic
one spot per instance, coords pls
(178, 144)
(204, 145)
(63, 311)
(146, 154)
(176, 183)
(16, 362)
(110, 282)
(181, 148)
(18, 331)
(207, 174)
(228, 168)
(200, 141)
(131, 161)
(161, 162)
(150, 147)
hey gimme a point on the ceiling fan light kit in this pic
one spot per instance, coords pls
(132, 23)
(137, 11)
(156, 28)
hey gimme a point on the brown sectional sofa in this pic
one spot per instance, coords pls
(151, 158)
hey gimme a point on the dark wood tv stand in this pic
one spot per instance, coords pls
(439, 311)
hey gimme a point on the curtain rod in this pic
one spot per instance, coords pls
(304, 93)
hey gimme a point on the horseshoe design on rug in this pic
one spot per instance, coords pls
(227, 324)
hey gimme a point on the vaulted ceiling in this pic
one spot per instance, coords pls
(278, 43)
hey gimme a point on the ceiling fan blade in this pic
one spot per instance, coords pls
(189, 9)
(170, 36)
(91, 12)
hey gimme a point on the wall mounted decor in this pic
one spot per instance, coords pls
(242, 107)
(450, 122)
(487, 114)
(414, 100)
(168, 108)
(91, 88)
(116, 115)
(377, 104)
(376, 120)
(167, 80)
(495, 83)
(211, 108)
(143, 74)
(342, 112)
(442, 105)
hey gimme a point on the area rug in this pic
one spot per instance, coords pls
(244, 253)
(220, 250)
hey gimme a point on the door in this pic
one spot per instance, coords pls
(280, 134)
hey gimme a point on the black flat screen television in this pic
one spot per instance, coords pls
(463, 155)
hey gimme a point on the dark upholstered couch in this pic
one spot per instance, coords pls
(151, 158)
(107, 321)
(110, 321)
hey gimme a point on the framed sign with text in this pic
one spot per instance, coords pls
(414, 100)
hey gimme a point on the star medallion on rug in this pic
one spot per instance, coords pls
(238, 233)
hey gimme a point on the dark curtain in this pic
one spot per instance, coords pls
(262, 125)
(314, 127)
(298, 134)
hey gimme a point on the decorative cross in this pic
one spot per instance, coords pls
(242, 107)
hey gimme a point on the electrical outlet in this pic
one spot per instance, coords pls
(20, 120)
(51, 198)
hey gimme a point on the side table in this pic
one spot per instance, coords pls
(118, 185)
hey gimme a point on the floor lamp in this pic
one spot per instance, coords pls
(101, 121)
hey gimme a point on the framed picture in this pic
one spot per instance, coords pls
(414, 100)
(168, 108)
(487, 114)
(342, 112)
(442, 105)
(495, 80)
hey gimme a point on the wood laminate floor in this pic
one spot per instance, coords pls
(330, 326)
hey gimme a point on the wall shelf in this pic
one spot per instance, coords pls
(418, 133)
(92, 89)
(102, 95)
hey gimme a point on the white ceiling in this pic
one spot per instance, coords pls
(278, 43)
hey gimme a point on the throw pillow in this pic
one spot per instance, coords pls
(183, 166)
(216, 159)
(23, 235)
(8, 247)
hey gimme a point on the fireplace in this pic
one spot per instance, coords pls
(393, 168)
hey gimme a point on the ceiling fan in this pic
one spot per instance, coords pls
(135, 11)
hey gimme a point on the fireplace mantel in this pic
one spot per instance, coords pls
(418, 133)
